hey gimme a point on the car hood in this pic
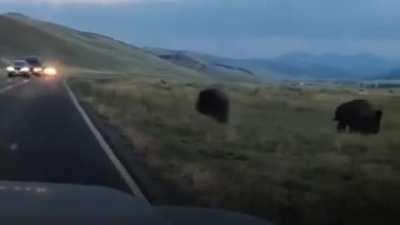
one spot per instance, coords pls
(43, 203)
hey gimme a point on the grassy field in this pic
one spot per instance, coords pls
(278, 158)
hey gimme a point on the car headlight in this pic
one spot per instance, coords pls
(25, 69)
(50, 71)
(37, 69)
(10, 69)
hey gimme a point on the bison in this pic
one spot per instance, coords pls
(359, 116)
(214, 103)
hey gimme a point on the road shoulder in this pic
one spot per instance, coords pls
(11, 84)
(157, 190)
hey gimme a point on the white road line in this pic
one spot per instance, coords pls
(106, 147)
(12, 86)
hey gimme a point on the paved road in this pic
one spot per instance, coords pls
(43, 138)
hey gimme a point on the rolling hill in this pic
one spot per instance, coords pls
(205, 64)
(290, 66)
(22, 36)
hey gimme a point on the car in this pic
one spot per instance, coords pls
(25, 203)
(35, 65)
(19, 68)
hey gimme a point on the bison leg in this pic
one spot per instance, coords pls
(354, 130)
(341, 127)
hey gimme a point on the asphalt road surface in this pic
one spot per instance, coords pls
(43, 138)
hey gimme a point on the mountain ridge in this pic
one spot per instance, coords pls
(297, 65)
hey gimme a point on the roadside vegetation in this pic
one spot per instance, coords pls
(278, 158)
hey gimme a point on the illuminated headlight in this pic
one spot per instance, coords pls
(50, 71)
(25, 69)
(10, 69)
(37, 69)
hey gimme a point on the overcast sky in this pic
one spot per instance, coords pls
(237, 28)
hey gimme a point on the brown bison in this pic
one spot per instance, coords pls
(359, 116)
(214, 103)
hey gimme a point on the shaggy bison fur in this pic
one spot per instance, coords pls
(214, 103)
(359, 116)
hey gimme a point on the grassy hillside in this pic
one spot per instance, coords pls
(23, 36)
(204, 64)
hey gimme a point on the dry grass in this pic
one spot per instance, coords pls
(279, 157)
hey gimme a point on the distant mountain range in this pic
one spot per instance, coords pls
(289, 66)
(393, 74)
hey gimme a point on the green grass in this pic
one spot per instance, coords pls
(279, 157)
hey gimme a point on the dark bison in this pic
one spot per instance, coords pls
(214, 103)
(359, 116)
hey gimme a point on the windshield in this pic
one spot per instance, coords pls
(283, 110)
(33, 61)
(20, 63)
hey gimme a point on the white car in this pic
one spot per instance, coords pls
(19, 68)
